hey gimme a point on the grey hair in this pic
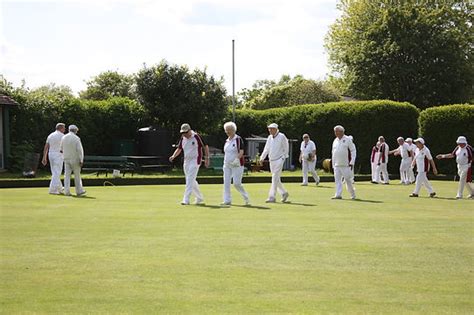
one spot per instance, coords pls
(231, 125)
(59, 125)
(339, 127)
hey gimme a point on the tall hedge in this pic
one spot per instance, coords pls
(99, 122)
(441, 126)
(364, 120)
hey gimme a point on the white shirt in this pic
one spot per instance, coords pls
(54, 141)
(276, 147)
(71, 147)
(422, 158)
(343, 152)
(412, 150)
(192, 148)
(383, 153)
(404, 149)
(232, 149)
(463, 155)
(307, 148)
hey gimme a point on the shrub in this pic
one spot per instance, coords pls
(440, 127)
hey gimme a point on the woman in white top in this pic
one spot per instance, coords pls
(233, 164)
(308, 159)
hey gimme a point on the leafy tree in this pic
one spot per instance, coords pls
(287, 92)
(173, 94)
(109, 84)
(415, 51)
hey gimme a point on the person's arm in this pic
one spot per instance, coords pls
(206, 155)
(353, 150)
(175, 154)
(265, 150)
(286, 147)
(433, 165)
(445, 156)
(45, 154)
(395, 152)
(80, 152)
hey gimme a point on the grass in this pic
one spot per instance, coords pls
(135, 250)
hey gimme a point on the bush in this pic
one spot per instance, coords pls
(364, 120)
(440, 127)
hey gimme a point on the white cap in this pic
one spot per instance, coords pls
(185, 128)
(58, 125)
(461, 139)
(273, 125)
(400, 138)
(409, 140)
(420, 140)
(73, 128)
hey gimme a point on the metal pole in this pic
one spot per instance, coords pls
(233, 82)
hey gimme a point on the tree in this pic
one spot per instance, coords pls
(173, 94)
(415, 51)
(287, 92)
(109, 84)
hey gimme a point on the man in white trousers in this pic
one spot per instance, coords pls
(463, 154)
(374, 157)
(73, 153)
(276, 148)
(382, 162)
(233, 164)
(423, 160)
(52, 151)
(404, 151)
(193, 147)
(411, 174)
(308, 159)
(342, 163)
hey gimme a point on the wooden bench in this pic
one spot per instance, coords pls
(106, 164)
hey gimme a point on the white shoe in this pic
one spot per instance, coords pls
(184, 203)
(353, 197)
(247, 203)
(459, 197)
(336, 197)
(82, 193)
(317, 182)
(199, 201)
(470, 197)
(226, 204)
(270, 200)
(304, 184)
(284, 197)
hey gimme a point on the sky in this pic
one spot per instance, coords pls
(67, 42)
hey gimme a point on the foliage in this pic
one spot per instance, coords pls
(287, 92)
(415, 51)
(441, 126)
(173, 94)
(109, 84)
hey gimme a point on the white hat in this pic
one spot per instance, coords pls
(273, 125)
(400, 138)
(461, 139)
(185, 128)
(409, 140)
(73, 128)
(420, 140)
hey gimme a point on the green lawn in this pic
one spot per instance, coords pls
(136, 250)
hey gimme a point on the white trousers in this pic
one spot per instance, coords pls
(374, 171)
(309, 167)
(405, 165)
(422, 180)
(463, 172)
(192, 187)
(56, 163)
(340, 173)
(276, 167)
(72, 166)
(411, 174)
(233, 175)
(382, 168)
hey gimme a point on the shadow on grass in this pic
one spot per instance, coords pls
(366, 200)
(253, 207)
(299, 204)
(82, 197)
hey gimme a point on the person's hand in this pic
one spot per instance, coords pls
(206, 162)
(300, 159)
(435, 171)
(351, 166)
(44, 161)
(171, 158)
(439, 156)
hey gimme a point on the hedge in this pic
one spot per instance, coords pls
(441, 126)
(100, 124)
(364, 120)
